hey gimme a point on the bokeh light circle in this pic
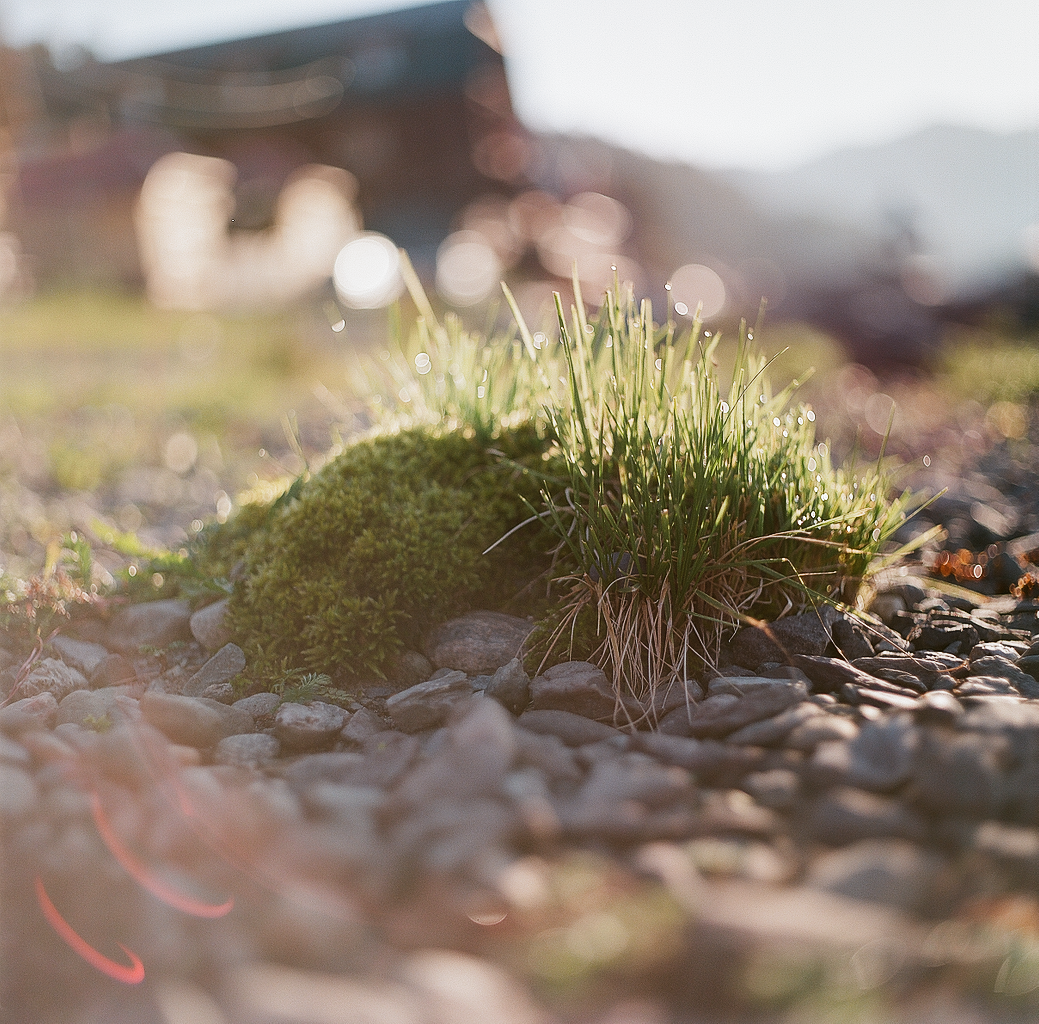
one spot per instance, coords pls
(694, 284)
(367, 273)
(468, 269)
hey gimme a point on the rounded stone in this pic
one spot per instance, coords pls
(307, 726)
(193, 721)
(208, 625)
(478, 643)
(95, 709)
(249, 750)
(52, 676)
(152, 624)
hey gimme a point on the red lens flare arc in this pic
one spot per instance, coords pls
(132, 975)
(146, 878)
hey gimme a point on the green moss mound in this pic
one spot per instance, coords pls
(353, 565)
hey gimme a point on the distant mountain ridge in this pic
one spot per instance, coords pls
(877, 245)
(963, 197)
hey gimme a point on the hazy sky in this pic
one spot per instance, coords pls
(753, 83)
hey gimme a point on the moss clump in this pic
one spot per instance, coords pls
(384, 542)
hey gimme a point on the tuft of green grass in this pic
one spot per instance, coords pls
(689, 503)
(446, 377)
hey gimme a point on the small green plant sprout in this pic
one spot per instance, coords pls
(33, 610)
(690, 505)
(302, 688)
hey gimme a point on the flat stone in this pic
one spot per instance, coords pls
(38, 712)
(778, 788)
(478, 643)
(1010, 846)
(335, 766)
(886, 699)
(937, 707)
(428, 704)
(12, 752)
(349, 815)
(150, 624)
(81, 655)
(547, 756)
(636, 776)
(774, 730)
(879, 759)
(891, 872)
(362, 725)
(924, 668)
(510, 686)
(452, 836)
(467, 988)
(473, 760)
(616, 801)
(821, 728)
(807, 633)
(52, 676)
(573, 730)
(247, 750)
(308, 726)
(743, 686)
(383, 759)
(114, 670)
(346, 805)
(828, 675)
(387, 756)
(95, 709)
(258, 704)
(844, 816)
(408, 668)
(731, 812)
(1024, 683)
(193, 721)
(960, 773)
(720, 715)
(208, 625)
(575, 686)
(710, 760)
(995, 649)
(987, 686)
(227, 663)
(1000, 715)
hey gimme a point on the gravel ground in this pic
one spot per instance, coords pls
(840, 827)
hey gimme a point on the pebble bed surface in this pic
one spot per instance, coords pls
(840, 823)
(847, 810)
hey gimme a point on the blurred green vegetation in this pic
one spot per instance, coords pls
(66, 350)
(988, 366)
(146, 420)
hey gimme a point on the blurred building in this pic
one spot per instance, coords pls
(394, 122)
(233, 174)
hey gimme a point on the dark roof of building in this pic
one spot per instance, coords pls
(285, 76)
